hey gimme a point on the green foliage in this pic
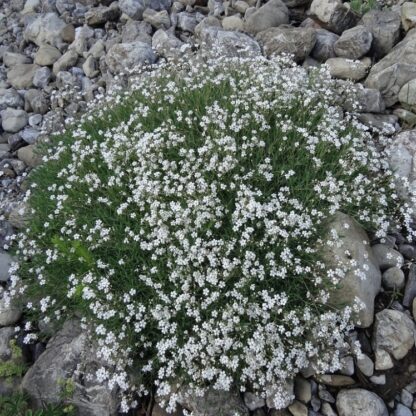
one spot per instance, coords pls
(14, 367)
(363, 6)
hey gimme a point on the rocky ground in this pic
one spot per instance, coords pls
(51, 48)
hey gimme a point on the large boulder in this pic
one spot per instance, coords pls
(408, 15)
(385, 28)
(298, 41)
(396, 69)
(324, 45)
(50, 29)
(272, 14)
(13, 120)
(21, 76)
(227, 42)
(126, 56)
(360, 402)
(166, 44)
(334, 15)
(68, 348)
(135, 8)
(362, 280)
(344, 68)
(354, 43)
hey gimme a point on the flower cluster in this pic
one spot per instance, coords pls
(183, 225)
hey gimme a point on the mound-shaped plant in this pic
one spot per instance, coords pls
(183, 223)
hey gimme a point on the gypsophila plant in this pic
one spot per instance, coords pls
(182, 220)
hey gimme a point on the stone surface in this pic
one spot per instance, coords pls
(10, 98)
(253, 402)
(29, 156)
(353, 286)
(394, 333)
(10, 314)
(166, 44)
(5, 262)
(402, 410)
(335, 380)
(47, 28)
(324, 45)
(298, 42)
(21, 76)
(11, 59)
(298, 409)
(387, 257)
(232, 23)
(66, 61)
(365, 365)
(303, 389)
(348, 69)
(354, 43)
(125, 56)
(360, 402)
(58, 362)
(13, 120)
(157, 19)
(334, 15)
(407, 94)
(408, 15)
(6, 335)
(135, 8)
(410, 289)
(385, 28)
(392, 72)
(393, 278)
(280, 397)
(272, 14)
(47, 55)
(98, 16)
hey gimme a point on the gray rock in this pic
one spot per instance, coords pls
(402, 410)
(334, 15)
(324, 45)
(369, 100)
(124, 56)
(365, 365)
(283, 396)
(393, 278)
(347, 366)
(69, 347)
(253, 402)
(21, 76)
(327, 410)
(187, 21)
(36, 102)
(352, 286)
(11, 59)
(10, 98)
(29, 155)
(232, 23)
(47, 28)
(335, 380)
(42, 77)
(360, 402)
(354, 43)
(135, 8)
(407, 94)
(385, 28)
(406, 398)
(98, 16)
(408, 15)
(47, 55)
(66, 61)
(324, 394)
(303, 389)
(407, 117)
(5, 262)
(227, 42)
(214, 403)
(388, 123)
(10, 314)
(396, 69)
(166, 44)
(13, 120)
(347, 69)
(30, 135)
(393, 333)
(298, 409)
(90, 67)
(387, 257)
(297, 41)
(272, 14)
(158, 19)
(6, 335)
(410, 289)
(379, 380)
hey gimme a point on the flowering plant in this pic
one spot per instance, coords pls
(183, 220)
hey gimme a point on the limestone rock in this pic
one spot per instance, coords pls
(98, 16)
(11, 59)
(58, 362)
(360, 402)
(387, 257)
(21, 76)
(408, 15)
(298, 41)
(10, 314)
(272, 14)
(10, 98)
(29, 155)
(166, 44)
(253, 402)
(5, 262)
(352, 286)
(324, 45)
(407, 94)
(396, 69)
(393, 278)
(135, 8)
(66, 61)
(232, 23)
(348, 69)
(157, 19)
(354, 43)
(125, 56)
(13, 120)
(47, 55)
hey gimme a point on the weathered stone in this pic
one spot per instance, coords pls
(66, 61)
(369, 100)
(13, 120)
(365, 365)
(30, 135)
(47, 28)
(352, 286)
(334, 15)
(187, 21)
(6, 335)
(36, 102)
(227, 42)
(303, 389)
(380, 379)
(297, 41)
(396, 69)
(385, 28)
(29, 155)
(47, 55)
(407, 94)
(298, 409)
(324, 45)
(157, 19)
(387, 257)
(335, 380)
(69, 347)
(135, 8)
(10, 98)
(21, 76)
(402, 410)
(354, 43)
(408, 15)
(42, 77)
(387, 123)
(5, 262)
(280, 397)
(9, 314)
(410, 289)
(253, 402)
(360, 402)
(393, 333)
(393, 279)
(348, 69)
(166, 44)
(232, 23)
(272, 14)
(98, 16)
(11, 59)
(347, 366)
(327, 410)
(90, 67)
(126, 56)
